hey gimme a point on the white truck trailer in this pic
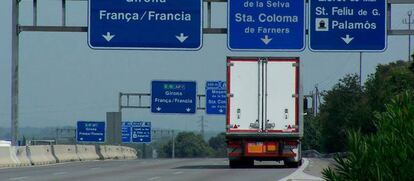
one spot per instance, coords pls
(264, 110)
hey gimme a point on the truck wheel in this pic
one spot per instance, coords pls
(249, 163)
(235, 163)
(291, 164)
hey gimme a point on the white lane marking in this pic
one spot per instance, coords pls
(18, 178)
(177, 173)
(60, 173)
(153, 178)
(300, 175)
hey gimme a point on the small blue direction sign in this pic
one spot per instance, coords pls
(145, 24)
(266, 25)
(126, 132)
(90, 131)
(141, 132)
(173, 97)
(216, 94)
(357, 25)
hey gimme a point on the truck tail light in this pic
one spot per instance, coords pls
(271, 147)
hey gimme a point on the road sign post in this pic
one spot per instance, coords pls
(263, 25)
(145, 24)
(173, 97)
(348, 25)
(216, 94)
(90, 131)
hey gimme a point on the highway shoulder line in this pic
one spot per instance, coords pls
(299, 175)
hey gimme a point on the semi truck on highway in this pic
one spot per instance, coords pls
(264, 111)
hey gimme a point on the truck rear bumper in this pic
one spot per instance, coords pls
(263, 149)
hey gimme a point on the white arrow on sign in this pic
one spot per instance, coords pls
(347, 39)
(181, 38)
(188, 109)
(158, 109)
(108, 37)
(266, 40)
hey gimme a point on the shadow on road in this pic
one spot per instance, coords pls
(208, 167)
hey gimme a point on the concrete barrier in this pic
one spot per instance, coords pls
(87, 152)
(6, 157)
(105, 152)
(129, 153)
(41, 155)
(21, 156)
(65, 153)
(111, 152)
(117, 151)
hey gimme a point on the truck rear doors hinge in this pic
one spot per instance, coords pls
(269, 125)
(229, 64)
(295, 64)
(295, 95)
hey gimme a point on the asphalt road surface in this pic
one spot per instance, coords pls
(147, 170)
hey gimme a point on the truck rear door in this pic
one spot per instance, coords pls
(281, 86)
(243, 86)
(263, 95)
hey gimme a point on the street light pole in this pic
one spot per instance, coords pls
(360, 69)
(408, 21)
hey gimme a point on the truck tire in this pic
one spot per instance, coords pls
(293, 164)
(248, 163)
(234, 163)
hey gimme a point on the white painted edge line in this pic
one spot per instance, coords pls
(177, 173)
(154, 178)
(18, 178)
(60, 173)
(300, 175)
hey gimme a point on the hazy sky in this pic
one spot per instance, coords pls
(62, 80)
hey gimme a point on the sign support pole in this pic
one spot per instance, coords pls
(173, 145)
(15, 74)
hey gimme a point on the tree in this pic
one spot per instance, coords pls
(188, 145)
(345, 107)
(388, 81)
(218, 144)
(312, 134)
(386, 155)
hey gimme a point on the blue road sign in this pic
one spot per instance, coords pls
(348, 25)
(90, 131)
(173, 97)
(266, 25)
(216, 94)
(141, 132)
(126, 132)
(145, 24)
